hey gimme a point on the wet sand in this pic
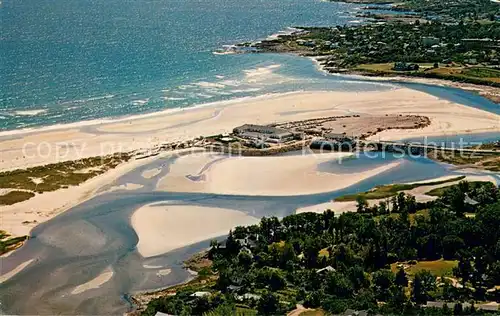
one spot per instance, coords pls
(94, 283)
(162, 228)
(262, 176)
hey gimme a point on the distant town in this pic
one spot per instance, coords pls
(434, 40)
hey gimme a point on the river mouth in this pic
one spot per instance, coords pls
(86, 261)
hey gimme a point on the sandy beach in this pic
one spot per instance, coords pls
(263, 176)
(21, 149)
(177, 226)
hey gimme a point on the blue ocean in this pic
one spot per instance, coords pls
(78, 60)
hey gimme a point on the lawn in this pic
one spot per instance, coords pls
(376, 67)
(244, 311)
(324, 253)
(438, 267)
(315, 312)
(385, 191)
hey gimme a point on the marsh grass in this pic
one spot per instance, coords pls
(14, 197)
(440, 191)
(55, 176)
(385, 191)
(8, 244)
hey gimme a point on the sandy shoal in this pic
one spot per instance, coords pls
(18, 219)
(19, 268)
(94, 283)
(126, 187)
(23, 149)
(418, 193)
(151, 173)
(73, 142)
(263, 176)
(162, 228)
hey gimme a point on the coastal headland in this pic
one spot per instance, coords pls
(430, 42)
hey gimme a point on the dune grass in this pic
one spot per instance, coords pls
(59, 175)
(14, 197)
(385, 191)
(8, 244)
(52, 177)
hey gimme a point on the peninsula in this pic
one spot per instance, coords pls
(436, 41)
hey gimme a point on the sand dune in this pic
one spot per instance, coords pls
(162, 228)
(265, 176)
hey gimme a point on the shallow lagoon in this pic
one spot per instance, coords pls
(78, 245)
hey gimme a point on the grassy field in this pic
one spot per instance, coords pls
(440, 191)
(8, 244)
(54, 176)
(438, 267)
(485, 73)
(315, 312)
(474, 74)
(385, 191)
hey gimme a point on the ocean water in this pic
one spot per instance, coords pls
(73, 60)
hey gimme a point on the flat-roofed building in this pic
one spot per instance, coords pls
(262, 132)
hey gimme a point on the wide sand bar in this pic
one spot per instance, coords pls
(263, 176)
(162, 228)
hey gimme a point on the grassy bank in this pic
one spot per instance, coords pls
(442, 190)
(473, 74)
(14, 197)
(26, 182)
(490, 162)
(8, 244)
(385, 191)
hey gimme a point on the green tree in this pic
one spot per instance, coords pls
(268, 304)
(423, 283)
(451, 245)
(361, 204)
(338, 285)
(382, 281)
(401, 278)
